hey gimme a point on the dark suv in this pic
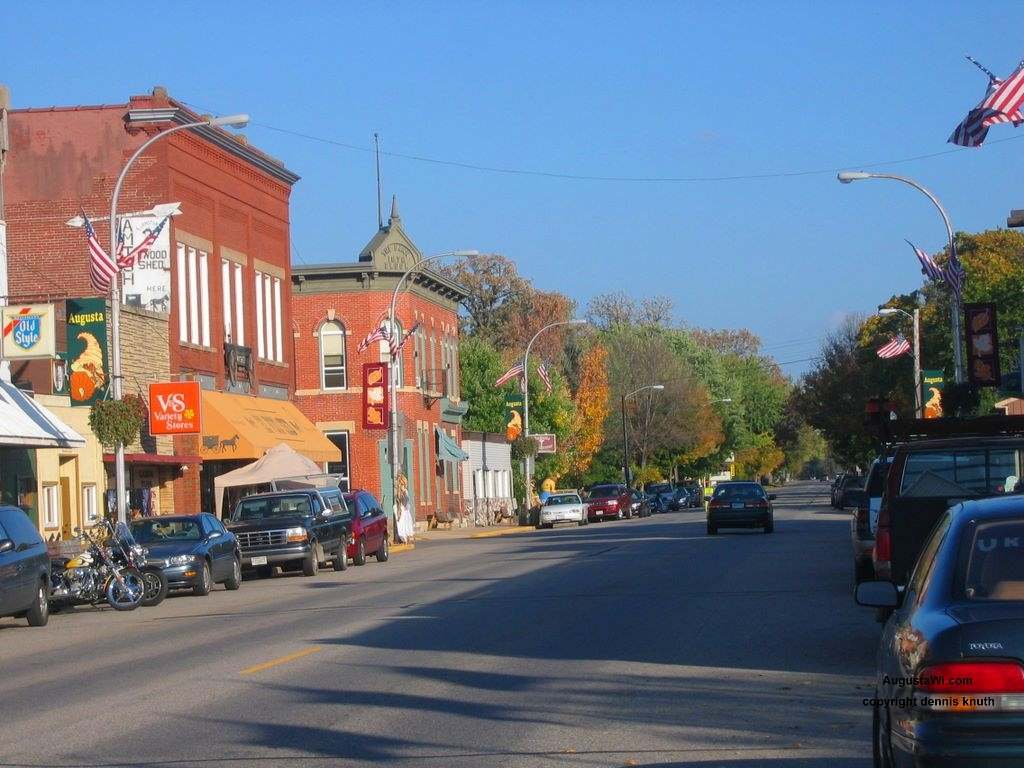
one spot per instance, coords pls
(297, 529)
(24, 569)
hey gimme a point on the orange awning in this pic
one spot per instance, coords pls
(243, 427)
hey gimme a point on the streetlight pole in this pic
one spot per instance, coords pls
(526, 401)
(625, 434)
(916, 320)
(955, 308)
(238, 121)
(392, 388)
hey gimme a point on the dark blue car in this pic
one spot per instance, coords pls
(950, 678)
(194, 551)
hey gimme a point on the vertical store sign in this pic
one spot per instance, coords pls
(88, 374)
(514, 412)
(982, 345)
(932, 382)
(147, 283)
(375, 395)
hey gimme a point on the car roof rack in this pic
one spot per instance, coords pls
(906, 430)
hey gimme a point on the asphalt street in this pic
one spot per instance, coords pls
(640, 642)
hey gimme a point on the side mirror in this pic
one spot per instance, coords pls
(6, 545)
(772, 497)
(877, 594)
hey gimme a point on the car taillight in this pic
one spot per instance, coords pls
(971, 686)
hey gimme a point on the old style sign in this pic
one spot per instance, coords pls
(375, 396)
(28, 332)
(982, 345)
(174, 408)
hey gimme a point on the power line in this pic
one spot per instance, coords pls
(801, 360)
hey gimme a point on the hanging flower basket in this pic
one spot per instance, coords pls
(117, 421)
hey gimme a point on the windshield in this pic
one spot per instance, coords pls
(739, 491)
(565, 498)
(258, 508)
(604, 491)
(166, 531)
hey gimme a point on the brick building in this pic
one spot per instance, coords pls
(335, 306)
(210, 301)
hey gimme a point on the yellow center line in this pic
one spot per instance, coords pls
(282, 660)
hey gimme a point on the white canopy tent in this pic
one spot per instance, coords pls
(281, 465)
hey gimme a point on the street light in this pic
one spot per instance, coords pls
(625, 436)
(392, 394)
(115, 287)
(846, 177)
(915, 318)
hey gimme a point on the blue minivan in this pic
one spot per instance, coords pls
(24, 569)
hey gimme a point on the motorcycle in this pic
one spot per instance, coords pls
(107, 571)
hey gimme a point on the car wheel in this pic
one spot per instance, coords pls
(265, 571)
(39, 613)
(360, 556)
(340, 561)
(382, 554)
(881, 741)
(155, 585)
(712, 530)
(311, 565)
(234, 581)
(618, 515)
(202, 589)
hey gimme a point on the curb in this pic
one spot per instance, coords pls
(503, 532)
(397, 549)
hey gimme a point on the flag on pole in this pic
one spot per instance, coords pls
(952, 274)
(928, 265)
(126, 260)
(396, 347)
(542, 371)
(377, 334)
(1002, 103)
(513, 372)
(897, 346)
(101, 267)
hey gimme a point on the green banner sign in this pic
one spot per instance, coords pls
(514, 415)
(88, 370)
(932, 383)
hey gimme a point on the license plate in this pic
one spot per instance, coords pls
(738, 505)
(258, 560)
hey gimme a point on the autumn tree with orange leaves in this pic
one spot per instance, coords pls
(591, 400)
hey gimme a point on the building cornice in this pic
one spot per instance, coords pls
(214, 135)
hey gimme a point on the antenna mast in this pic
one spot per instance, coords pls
(380, 213)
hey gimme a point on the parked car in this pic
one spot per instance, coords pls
(608, 500)
(695, 495)
(929, 476)
(563, 507)
(850, 482)
(863, 522)
(193, 551)
(835, 487)
(24, 569)
(647, 506)
(950, 664)
(636, 501)
(369, 529)
(740, 504)
(667, 494)
(296, 529)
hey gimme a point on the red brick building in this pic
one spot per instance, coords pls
(335, 306)
(219, 281)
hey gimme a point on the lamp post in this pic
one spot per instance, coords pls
(526, 400)
(915, 318)
(237, 121)
(846, 177)
(392, 389)
(625, 435)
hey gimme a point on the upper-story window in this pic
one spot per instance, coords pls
(234, 302)
(193, 295)
(397, 366)
(269, 339)
(332, 355)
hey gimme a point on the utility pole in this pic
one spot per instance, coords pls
(917, 364)
(625, 443)
(5, 146)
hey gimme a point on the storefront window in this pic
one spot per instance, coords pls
(89, 511)
(51, 506)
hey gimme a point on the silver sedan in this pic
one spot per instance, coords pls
(562, 507)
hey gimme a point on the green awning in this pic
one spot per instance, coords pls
(447, 448)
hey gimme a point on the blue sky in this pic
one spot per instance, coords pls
(595, 89)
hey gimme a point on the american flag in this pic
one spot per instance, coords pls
(897, 346)
(1001, 104)
(397, 347)
(952, 274)
(513, 372)
(127, 260)
(101, 267)
(542, 371)
(928, 265)
(377, 334)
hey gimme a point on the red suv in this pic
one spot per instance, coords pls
(610, 500)
(369, 533)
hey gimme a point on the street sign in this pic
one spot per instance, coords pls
(546, 443)
(28, 332)
(174, 408)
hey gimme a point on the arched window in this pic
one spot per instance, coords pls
(332, 355)
(397, 367)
